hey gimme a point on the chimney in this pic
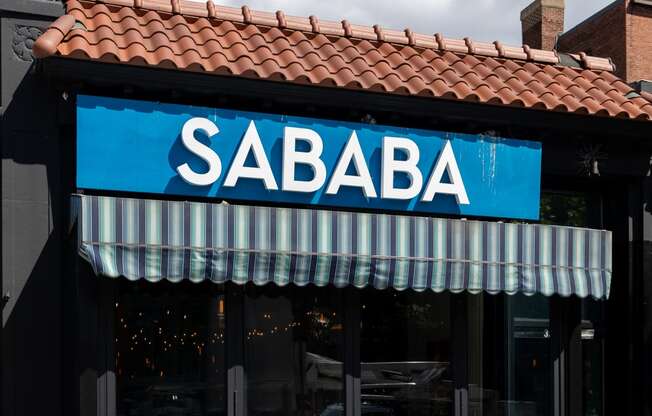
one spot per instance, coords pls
(541, 22)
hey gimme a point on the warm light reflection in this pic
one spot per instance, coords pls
(170, 343)
(293, 330)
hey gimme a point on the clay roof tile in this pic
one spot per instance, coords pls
(185, 35)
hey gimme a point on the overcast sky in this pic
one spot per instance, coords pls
(483, 20)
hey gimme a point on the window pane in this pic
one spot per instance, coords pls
(513, 375)
(583, 209)
(294, 351)
(592, 356)
(405, 351)
(565, 209)
(170, 349)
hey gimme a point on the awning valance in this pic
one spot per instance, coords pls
(177, 240)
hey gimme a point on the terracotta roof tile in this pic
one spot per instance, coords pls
(185, 35)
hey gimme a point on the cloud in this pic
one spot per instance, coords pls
(482, 20)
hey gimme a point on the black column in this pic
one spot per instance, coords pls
(235, 374)
(566, 355)
(352, 351)
(623, 215)
(646, 257)
(460, 333)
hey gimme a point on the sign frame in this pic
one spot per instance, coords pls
(159, 148)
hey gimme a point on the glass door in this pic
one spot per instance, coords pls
(169, 349)
(294, 351)
(510, 366)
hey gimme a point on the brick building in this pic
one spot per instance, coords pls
(621, 31)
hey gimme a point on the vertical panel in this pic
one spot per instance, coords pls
(460, 338)
(88, 352)
(476, 356)
(646, 248)
(622, 217)
(557, 358)
(573, 317)
(634, 300)
(352, 351)
(235, 375)
(106, 383)
(566, 356)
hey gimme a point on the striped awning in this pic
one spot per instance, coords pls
(177, 240)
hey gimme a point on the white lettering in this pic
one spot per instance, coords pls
(447, 162)
(409, 166)
(351, 154)
(352, 151)
(200, 149)
(263, 171)
(292, 157)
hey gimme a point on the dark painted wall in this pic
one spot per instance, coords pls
(32, 218)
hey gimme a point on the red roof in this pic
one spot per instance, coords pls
(200, 37)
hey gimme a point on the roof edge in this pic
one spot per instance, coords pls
(48, 42)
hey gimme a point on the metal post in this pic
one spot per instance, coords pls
(460, 336)
(235, 373)
(352, 352)
(565, 324)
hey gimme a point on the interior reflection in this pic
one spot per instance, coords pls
(511, 374)
(293, 350)
(170, 349)
(405, 351)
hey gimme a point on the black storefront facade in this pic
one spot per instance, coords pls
(77, 343)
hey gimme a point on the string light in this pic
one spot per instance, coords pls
(171, 341)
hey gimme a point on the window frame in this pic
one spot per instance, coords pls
(96, 297)
(566, 313)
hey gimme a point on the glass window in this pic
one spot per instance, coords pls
(405, 353)
(513, 374)
(583, 210)
(571, 209)
(170, 349)
(593, 322)
(294, 350)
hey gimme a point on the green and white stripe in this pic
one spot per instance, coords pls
(177, 240)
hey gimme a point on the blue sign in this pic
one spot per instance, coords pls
(149, 147)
